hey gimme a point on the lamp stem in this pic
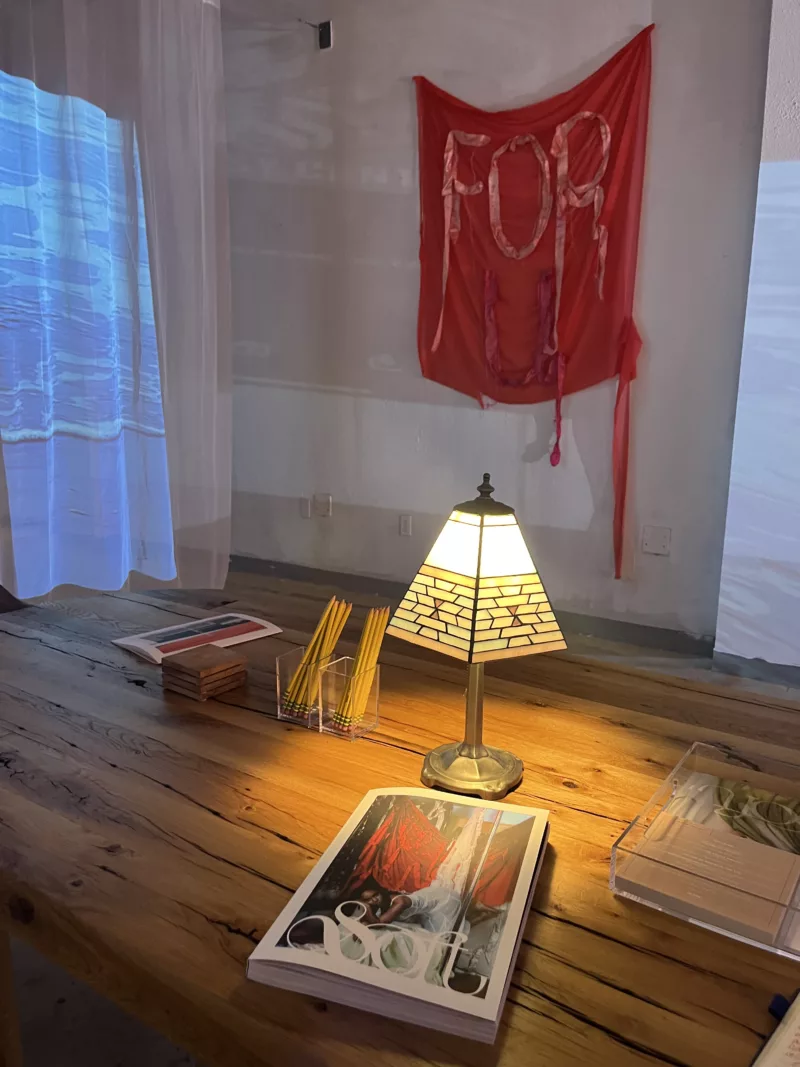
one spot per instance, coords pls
(473, 741)
(469, 766)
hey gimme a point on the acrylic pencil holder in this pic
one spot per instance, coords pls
(298, 691)
(348, 702)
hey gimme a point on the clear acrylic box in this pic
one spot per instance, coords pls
(349, 703)
(293, 705)
(719, 846)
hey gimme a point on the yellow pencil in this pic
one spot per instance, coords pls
(359, 687)
(317, 655)
(359, 664)
(339, 625)
(317, 637)
(366, 674)
(343, 711)
(328, 647)
(299, 675)
(333, 632)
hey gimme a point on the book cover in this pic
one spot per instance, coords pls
(223, 631)
(783, 1048)
(422, 897)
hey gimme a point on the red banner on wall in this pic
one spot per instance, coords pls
(529, 235)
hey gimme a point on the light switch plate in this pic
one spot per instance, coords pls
(656, 540)
(405, 526)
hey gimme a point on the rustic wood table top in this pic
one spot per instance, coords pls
(147, 841)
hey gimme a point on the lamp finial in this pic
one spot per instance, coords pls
(485, 489)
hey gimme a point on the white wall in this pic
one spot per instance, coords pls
(782, 105)
(325, 230)
(758, 616)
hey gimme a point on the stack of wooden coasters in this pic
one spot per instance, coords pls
(204, 672)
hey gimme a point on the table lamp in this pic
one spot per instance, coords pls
(477, 597)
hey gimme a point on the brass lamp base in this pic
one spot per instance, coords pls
(474, 770)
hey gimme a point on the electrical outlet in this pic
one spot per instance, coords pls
(405, 526)
(305, 507)
(323, 505)
(656, 540)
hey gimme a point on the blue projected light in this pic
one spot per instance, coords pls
(81, 413)
(761, 558)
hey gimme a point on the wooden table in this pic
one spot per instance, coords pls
(146, 842)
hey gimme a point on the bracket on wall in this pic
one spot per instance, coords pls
(324, 32)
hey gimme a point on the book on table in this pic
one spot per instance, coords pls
(416, 911)
(233, 628)
(783, 1047)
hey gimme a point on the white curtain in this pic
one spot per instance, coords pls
(115, 395)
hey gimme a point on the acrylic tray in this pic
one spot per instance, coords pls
(700, 849)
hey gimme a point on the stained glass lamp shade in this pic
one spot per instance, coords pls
(477, 597)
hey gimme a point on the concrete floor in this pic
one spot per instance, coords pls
(66, 1024)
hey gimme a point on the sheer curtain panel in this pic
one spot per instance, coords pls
(115, 396)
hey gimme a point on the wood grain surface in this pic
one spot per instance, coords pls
(10, 1039)
(147, 841)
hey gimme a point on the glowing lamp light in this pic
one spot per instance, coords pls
(477, 597)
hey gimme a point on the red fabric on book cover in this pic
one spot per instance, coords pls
(529, 235)
(404, 853)
(500, 871)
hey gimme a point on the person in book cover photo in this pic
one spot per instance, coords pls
(420, 889)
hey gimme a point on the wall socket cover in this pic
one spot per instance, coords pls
(323, 505)
(656, 540)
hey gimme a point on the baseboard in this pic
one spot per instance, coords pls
(354, 583)
(758, 670)
(636, 633)
(629, 633)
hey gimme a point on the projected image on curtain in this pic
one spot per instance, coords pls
(758, 617)
(81, 414)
